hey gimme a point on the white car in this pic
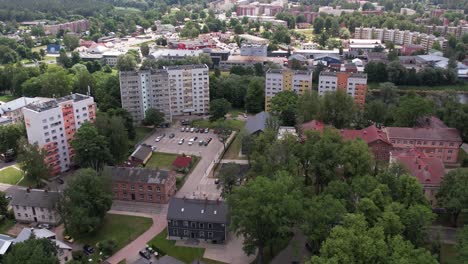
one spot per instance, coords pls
(181, 141)
(158, 139)
(190, 142)
(192, 130)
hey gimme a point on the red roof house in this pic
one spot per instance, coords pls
(182, 162)
(313, 125)
(428, 170)
(375, 138)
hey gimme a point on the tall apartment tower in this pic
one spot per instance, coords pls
(174, 90)
(53, 124)
(354, 84)
(286, 80)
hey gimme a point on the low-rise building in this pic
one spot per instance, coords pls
(375, 138)
(429, 171)
(35, 206)
(278, 81)
(13, 109)
(284, 131)
(253, 50)
(354, 84)
(142, 184)
(250, 61)
(199, 219)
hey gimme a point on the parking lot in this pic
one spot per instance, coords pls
(198, 183)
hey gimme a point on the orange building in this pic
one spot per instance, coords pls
(354, 84)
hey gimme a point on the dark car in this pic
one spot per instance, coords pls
(208, 141)
(197, 130)
(60, 181)
(195, 138)
(145, 254)
(172, 135)
(88, 249)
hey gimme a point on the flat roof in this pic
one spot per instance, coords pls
(53, 103)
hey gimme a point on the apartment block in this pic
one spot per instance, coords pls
(53, 124)
(74, 26)
(354, 84)
(175, 91)
(286, 80)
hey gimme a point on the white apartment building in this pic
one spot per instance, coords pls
(175, 90)
(286, 80)
(53, 124)
(35, 206)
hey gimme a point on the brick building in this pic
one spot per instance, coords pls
(142, 184)
(375, 138)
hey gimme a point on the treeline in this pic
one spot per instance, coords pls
(396, 73)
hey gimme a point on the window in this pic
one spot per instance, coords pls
(174, 232)
(149, 187)
(43, 217)
(150, 196)
(450, 151)
(193, 224)
(132, 187)
(158, 189)
(210, 234)
(202, 234)
(186, 223)
(185, 232)
(19, 214)
(210, 226)
(26, 215)
(451, 144)
(142, 196)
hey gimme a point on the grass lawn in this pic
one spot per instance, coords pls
(161, 160)
(26, 183)
(5, 225)
(233, 124)
(141, 132)
(10, 176)
(38, 48)
(185, 254)
(463, 158)
(447, 254)
(7, 97)
(121, 228)
(233, 151)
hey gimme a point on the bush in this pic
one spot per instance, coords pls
(160, 251)
(107, 247)
(78, 255)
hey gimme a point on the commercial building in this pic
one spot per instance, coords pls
(142, 184)
(354, 84)
(197, 219)
(253, 50)
(175, 90)
(428, 170)
(53, 124)
(286, 80)
(35, 206)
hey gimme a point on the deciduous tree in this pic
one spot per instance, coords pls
(453, 193)
(31, 161)
(92, 150)
(219, 108)
(32, 251)
(153, 117)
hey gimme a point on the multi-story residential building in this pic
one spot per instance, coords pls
(253, 50)
(354, 84)
(286, 80)
(439, 142)
(13, 109)
(142, 184)
(75, 26)
(53, 124)
(175, 90)
(428, 170)
(35, 206)
(200, 219)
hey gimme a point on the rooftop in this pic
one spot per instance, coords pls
(280, 71)
(35, 198)
(428, 170)
(142, 152)
(138, 175)
(351, 75)
(53, 103)
(443, 134)
(369, 134)
(313, 125)
(186, 67)
(257, 122)
(197, 210)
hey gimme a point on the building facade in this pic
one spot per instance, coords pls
(35, 206)
(13, 110)
(142, 184)
(253, 50)
(286, 80)
(74, 26)
(354, 84)
(197, 219)
(375, 138)
(440, 142)
(175, 90)
(53, 124)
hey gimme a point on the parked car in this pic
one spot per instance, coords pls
(207, 130)
(46, 226)
(192, 130)
(158, 139)
(153, 148)
(190, 142)
(182, 129)
(69, 239)
(217, 181)
(145, 254)
(88, 250)
(181, 141)
(172, 135)
(197, 130)
(8, 197)
(201, 142)
(208, 141)
(195, 138)
(60, 181)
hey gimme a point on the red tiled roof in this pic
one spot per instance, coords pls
(313, 125)
(428, 170)
(182, 162)
(445, 134)
(369, 134)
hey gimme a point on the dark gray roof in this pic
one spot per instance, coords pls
(169, 260)
(142, 260)
(197, 210)
(257, 122)
(197, 261)
(142, 152)
(139, 175)
(36, 198)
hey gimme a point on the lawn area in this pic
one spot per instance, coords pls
(121, 228)
(236, 112)
(185, 254)
(27, 183)
(141, 133)
(6, 225)
(447, 254)
(7, 97)
(38, 48)
(10, 175)
(233, 124)
(233, 151)
(161, 160)
(463, 158)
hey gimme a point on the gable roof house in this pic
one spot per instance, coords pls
(38, 206)
(375, 138)
(256, 124)
(198, 219)
(141, 155)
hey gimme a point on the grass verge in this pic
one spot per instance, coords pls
(141, 133)
(233, 151)
(6, 224)
(161, 160)
(7, 98)
(168, 247)
(10, 175)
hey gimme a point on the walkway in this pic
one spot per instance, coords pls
(130, 251)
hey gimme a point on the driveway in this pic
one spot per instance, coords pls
(130, 251)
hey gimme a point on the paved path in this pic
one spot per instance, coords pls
(130, 251)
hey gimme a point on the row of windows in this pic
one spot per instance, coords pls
(418, 142)
(140, 187)
(193, 224)
(26, 215)
(186, 233)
